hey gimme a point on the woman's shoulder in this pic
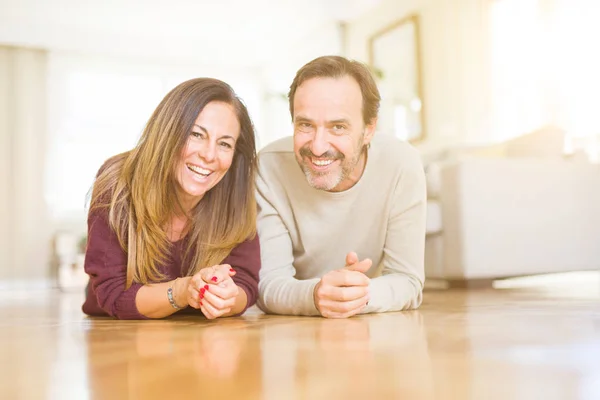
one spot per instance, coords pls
(105, 184)
(249, 246)
(112, 164)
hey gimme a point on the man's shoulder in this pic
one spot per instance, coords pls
(284, 145)
(394, 152)
(276, 161)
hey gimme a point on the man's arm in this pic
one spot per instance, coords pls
(401, 285)
(279, 291)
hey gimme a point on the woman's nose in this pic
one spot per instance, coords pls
(207, 151)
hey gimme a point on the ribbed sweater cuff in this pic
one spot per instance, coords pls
(125, 307)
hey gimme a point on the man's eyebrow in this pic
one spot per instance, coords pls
(302, 118)
(339, 121)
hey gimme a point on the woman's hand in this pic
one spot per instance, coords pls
(213, 291)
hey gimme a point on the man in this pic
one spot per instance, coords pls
(335, 192)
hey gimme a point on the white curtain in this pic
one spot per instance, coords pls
(24, 230)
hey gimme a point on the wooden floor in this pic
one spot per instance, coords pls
(533, 341)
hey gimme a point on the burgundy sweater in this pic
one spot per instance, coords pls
(106, 264)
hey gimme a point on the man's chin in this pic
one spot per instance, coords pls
(321, 182)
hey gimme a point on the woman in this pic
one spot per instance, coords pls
(172, 223)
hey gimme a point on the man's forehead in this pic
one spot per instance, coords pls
(317, 84)
(328, 96)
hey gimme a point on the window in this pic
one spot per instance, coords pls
(517, 100)
(544, 69)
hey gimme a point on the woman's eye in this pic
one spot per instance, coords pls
(197, 134)
(226, 145)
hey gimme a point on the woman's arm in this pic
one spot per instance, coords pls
(106, 264)
(245, 260)
(152, 301)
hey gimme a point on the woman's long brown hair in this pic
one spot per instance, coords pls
(138, 188)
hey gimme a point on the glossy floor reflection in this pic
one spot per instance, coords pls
(523, 341)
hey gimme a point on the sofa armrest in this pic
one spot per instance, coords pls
(511, 217)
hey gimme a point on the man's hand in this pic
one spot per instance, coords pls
(344, 292)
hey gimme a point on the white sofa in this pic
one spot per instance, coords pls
(507, 212)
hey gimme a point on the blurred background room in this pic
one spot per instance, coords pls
(499, 96)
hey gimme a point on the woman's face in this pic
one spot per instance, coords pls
(209, 151)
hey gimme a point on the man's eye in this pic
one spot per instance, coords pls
(305, 126)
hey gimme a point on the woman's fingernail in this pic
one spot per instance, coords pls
(202, 291)
(206, 287)
(231, 270)
(200, 303)
(214, 279)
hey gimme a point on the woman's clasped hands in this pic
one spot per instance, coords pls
(213, 291)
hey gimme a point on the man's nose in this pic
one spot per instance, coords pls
(319, 144)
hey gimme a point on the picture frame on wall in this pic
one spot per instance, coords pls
(395, 59)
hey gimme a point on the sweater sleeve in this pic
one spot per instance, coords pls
(400, 287)
(280, 291)
(245, 259)
(106, 264)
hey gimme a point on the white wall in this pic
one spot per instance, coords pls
(279, 73)
(454, 57)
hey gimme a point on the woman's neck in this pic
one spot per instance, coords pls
(186, 202)
(177, 227)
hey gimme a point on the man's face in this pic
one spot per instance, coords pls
(329, 132)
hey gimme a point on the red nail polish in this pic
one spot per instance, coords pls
(214, 279)
(231, 270)
(200, 303)
(202, 291)
(206, 287)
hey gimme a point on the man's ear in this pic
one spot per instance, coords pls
(369, 131)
